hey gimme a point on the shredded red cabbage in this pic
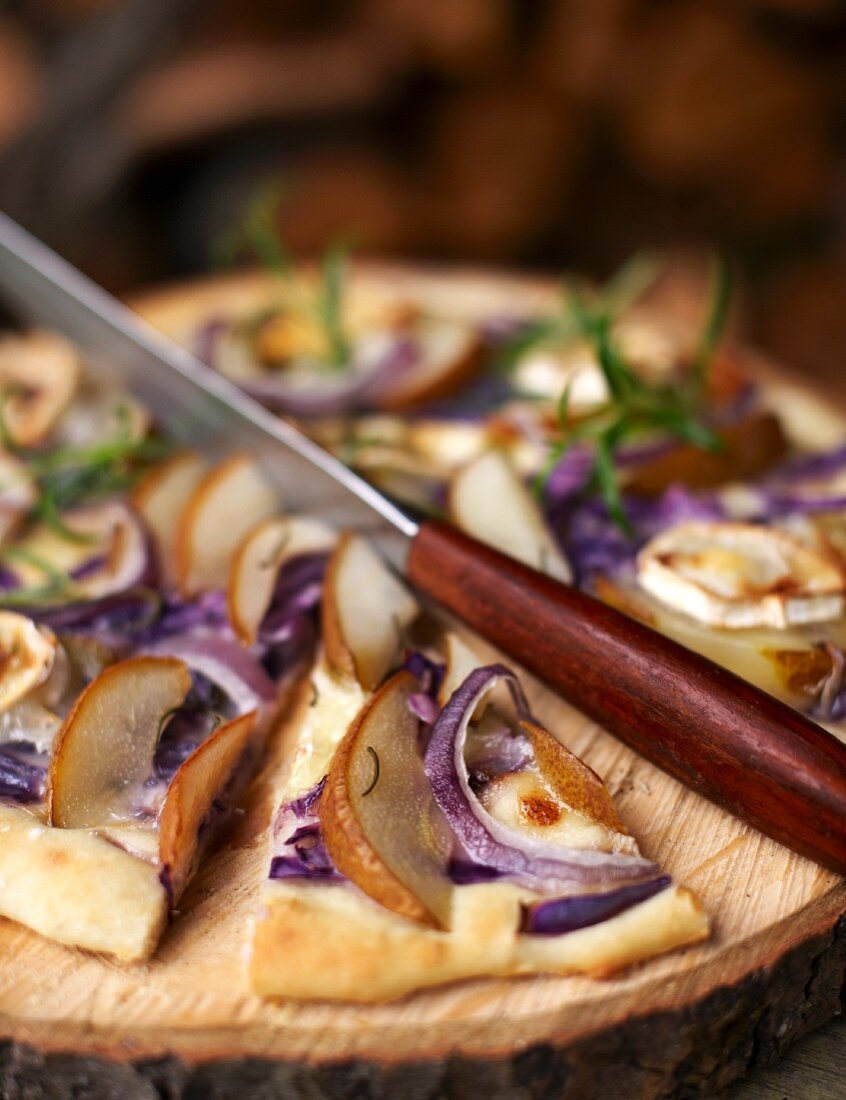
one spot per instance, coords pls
(289, 630)
(180, 616)
(306, 805)
(430, 673)
(121, 614)
(308, 859)
(596, 546)
(297, 831)
(205, 706)
(556, 916)
(23, 772)
(811, 466)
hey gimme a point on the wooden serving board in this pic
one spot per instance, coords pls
(186, 1025)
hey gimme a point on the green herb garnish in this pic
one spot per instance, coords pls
(67, 477)
(57, 588)
(257, 235)
(73, 475)
(330, 305)
(619, 292)
(635, 408)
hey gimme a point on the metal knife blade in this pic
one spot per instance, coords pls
(195, 405)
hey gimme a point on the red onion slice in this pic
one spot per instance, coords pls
(537, 864)
(377, 366)
(226, 663)
(556, 916)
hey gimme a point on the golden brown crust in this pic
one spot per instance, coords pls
(79, 888)
(330, 942)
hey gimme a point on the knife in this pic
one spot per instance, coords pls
(730, 742)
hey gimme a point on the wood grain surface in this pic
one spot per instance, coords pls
(185, 1024)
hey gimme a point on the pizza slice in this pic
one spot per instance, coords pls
(430, 830)
(131, 714)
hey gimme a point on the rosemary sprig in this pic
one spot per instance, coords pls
(57, 587)
(69, 476)
(330, 305)
(619, 292)
(715, 319)
(257, 235)
(635, 407)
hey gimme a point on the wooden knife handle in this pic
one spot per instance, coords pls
(734, 744)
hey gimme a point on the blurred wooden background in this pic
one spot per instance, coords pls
(550, 133)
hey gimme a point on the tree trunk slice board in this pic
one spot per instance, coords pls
(186, 1026)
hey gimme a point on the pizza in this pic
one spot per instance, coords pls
(588, 433)
(131, 715)
(161, 617)
(430, 830)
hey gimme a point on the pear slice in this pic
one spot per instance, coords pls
(27, 655)
(379, 820)
(748, 450)
(160, 498)
(257, 563)
(571, 780)
(113, 552)
(366, 610)
(98, 413)
(39, 374)
(490, 502)
(188, 804)
(450, 443)
(18, 493)
(227, 503)
(460, 662)
(450, 355)
(108, 739)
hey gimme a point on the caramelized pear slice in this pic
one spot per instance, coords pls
(108, 739)
(18, 493)
(571, 780)
(377, 814)
(39, 374)
(366, 609)
(490, 502)
(257, 562)
(189, 801)
(160, 498)
(228, 502)
(749, 449)
(450, 355)
(27, 655)
(112, 552)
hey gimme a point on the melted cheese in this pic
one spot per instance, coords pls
(521, 801)
(740, 575)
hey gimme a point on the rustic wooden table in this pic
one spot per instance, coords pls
(814, 1069)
